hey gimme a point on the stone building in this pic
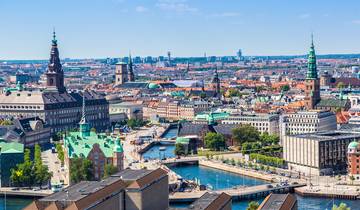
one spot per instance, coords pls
(99, 148)
(28, 131)
(307, 122)
(61, 110)
(321, 153)
(262, 122)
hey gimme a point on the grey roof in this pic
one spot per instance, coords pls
(333, 103)
(225, 129)
(131, 175)
(186, 129)
(211, 201)
(278, 202)
(329, 135)
(136, 85)
(80, 190)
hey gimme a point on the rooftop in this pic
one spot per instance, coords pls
(79, 146)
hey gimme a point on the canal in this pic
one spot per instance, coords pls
(156, 152)
(218, 179)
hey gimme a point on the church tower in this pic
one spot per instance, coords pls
(55, 73)
(131, 76)
(216, 83)
(312, 82)
(121, 73)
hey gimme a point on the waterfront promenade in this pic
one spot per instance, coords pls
(242, 192)
(9, 191)
(241, 171)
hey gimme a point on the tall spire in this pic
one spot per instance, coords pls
(131, 76)
(84, 126)
(83, 115)
(312, 68)
(54, 73)
(54, 41)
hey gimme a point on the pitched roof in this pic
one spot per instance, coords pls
(278, 202)
(211, 201)
(12, 147)
(138, 179)
(333, 103)
(78, 146)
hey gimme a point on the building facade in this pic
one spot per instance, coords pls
(262, 122)
(321, 153)
(307, 122)
(61, 110)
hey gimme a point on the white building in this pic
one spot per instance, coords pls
(307, 122)
(320, 153)
(262, 122)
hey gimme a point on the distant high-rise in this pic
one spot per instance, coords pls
(312, 83)
(169, 55)
(239, 55)
(55, 73)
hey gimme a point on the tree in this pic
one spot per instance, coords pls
(60, 152)
(6, 122)
(253, 205)
(22, 174)
(285, 88)
(109, 170)
(245, 133)
(80, 170)
(269, 139)
(214, 141)
(179, 149)
(340, 85)
(352, 178)
(41, 172)
(93, 130)
(342, 206)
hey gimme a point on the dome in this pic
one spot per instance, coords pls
(153, 86)
(353, 145)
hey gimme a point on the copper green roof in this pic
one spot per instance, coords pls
(182, 140)
(12, 147)
(78, 146)
(312, 69)
(212, 116)
(153, 86)
(353, 145)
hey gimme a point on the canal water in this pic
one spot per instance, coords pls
(155, 153)
(218, 179)
(171, 133)
(14, 203)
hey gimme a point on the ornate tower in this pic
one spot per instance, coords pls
(131, 76)
(54, 73)
(216, 82)
(312, 82)
(84, 126)
(121, 75)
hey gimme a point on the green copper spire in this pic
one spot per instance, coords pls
(312, 69)
(54, 41)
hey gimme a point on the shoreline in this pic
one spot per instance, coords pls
(238, 171)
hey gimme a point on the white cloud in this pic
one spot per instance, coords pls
(141, 9)
(175, 6)
(304, 16)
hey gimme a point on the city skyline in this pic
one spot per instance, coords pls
(100, 29)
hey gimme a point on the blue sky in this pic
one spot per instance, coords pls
(110, 28)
